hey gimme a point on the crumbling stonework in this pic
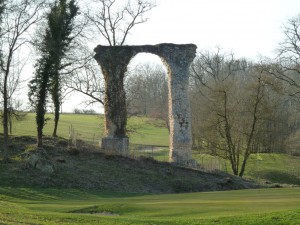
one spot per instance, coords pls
(177, 58)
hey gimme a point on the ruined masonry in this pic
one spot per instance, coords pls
(177, 58)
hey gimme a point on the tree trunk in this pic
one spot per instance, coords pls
(233, 165)
(56, 119)
(258, 99)
(41, 107)
(5, 135)
(40, 121)
(55, 98)
(5, 122)
(231, 148)
(10, 123)
(244, 165)
(39, 137)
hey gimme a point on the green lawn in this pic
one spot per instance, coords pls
(147, 132)
(91, 128)
(51, 206)
(86, 127)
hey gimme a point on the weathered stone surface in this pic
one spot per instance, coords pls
(177, 58)
(116, 145)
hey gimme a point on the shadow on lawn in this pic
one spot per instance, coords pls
(42, 194)
(283, 177)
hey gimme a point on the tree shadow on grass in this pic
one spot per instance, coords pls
(283, 177)
(45, 194)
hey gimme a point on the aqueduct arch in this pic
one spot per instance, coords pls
(177, 59)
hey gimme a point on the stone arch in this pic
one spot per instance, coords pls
(177, 59)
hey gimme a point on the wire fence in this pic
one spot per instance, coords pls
(79, 130)
(210, 163)
(160, 153)
(93, 134)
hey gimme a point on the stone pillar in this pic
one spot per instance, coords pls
(113, 62)
(179, 116)
(178, 63)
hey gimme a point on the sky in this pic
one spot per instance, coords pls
(248, 28)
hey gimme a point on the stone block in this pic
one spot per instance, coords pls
(116, 145)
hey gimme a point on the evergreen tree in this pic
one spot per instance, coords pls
(55, 43)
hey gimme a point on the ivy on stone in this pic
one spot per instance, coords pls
(53, 47)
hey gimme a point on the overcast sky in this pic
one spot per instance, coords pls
(248, 28)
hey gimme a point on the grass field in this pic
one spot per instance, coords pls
(52, 206)
(91, 128)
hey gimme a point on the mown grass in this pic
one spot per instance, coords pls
(53, 206)
(91, 128)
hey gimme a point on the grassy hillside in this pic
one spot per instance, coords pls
(61, 206)
(87, 168)
(277, 168)
(262, 167)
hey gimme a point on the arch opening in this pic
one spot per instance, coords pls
(146, 86)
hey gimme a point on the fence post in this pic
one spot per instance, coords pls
(152, 152)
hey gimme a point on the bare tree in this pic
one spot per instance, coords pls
(229, 106)
(289, 48)
(87, 80)
(15, 113)
(114, 19)
(18, 18)
(14, 88)
(147, 92)
(286, 68)
(287, 65)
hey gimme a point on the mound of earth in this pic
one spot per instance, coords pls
(86, 167)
